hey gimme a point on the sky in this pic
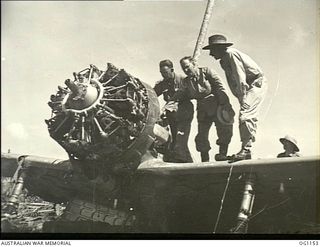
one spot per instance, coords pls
(43, 43)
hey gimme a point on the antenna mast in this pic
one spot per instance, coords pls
(203, 29)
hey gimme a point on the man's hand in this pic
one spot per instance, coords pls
(245, 105)
(171, 106)
(223, 98)
(229, 108)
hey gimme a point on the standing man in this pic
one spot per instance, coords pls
(205, 86)
(246, 82)
(178, 115)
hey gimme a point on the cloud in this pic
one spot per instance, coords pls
(17, 130)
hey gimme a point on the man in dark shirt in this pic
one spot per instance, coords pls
(179, 115)
(205, 86)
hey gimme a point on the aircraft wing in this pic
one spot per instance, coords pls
(52, 179)
(259, 166)
(286, 193)
(187, 197)
(9, 163)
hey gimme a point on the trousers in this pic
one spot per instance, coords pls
(224, 132)
(172, 121)
(249, 111)
(180, 129)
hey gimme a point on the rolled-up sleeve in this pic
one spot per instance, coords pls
(158, 88)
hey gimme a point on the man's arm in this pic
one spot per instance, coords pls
(217, 87)
(238, 75)
(204, 88)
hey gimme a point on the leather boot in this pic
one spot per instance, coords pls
(244, 154)
(204, 156)
(222, 155)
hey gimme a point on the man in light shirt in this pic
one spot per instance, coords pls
(246, 82)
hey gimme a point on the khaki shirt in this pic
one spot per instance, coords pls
(168, 88)
(210, 90)
(241, 71)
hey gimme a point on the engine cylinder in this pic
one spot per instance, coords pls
(104, 116)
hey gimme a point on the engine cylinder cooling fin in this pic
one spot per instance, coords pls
(105, 116)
